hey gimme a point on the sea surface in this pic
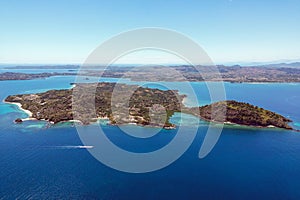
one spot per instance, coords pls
(247, 163)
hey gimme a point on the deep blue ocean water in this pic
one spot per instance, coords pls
(246, 163)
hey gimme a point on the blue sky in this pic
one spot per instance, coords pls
(61, 31)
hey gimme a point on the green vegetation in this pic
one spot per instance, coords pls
(146, 106)
(241, 113)
(123, 104)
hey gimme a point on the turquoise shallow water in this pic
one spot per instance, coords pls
(5, 109)
(246, 163)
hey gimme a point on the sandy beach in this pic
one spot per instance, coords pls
(20, 107)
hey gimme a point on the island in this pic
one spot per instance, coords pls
(146, 107)
(56, 105)
(7, 76)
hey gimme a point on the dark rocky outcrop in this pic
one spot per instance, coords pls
(18, 120)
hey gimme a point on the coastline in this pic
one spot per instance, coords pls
(231, 124)
(29, 113)
(19, 105)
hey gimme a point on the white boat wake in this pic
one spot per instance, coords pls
(73, 147)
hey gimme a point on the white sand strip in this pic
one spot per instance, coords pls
(20, 107)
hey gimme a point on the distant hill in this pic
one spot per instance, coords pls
(285, 65)
(43, 67)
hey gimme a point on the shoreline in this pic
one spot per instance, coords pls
(19, 105)
(29, 118)
(231, 124)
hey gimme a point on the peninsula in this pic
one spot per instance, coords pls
(6, 76)
(146, 106)
(240, 113)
